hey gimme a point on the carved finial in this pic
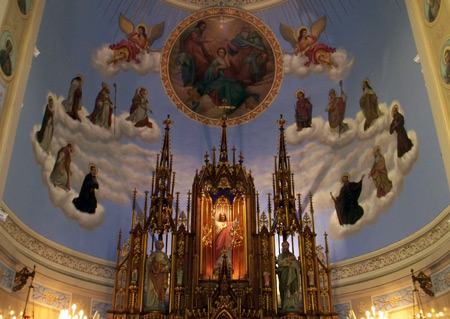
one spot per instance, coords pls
(234, 155)
(167, 122)
(177, 209)
(281, 122)
(188, 210)
(257, 201)
(146, 204)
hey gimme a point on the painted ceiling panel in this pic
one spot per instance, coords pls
(372, 39)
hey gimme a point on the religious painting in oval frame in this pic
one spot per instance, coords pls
(222, 57)
(8, 54)
(444, 64)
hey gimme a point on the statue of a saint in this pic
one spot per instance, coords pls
(289, 279)
(158, 268)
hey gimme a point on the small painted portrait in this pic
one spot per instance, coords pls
(431, 9)
(219, 59)
(24, 6)
(445, 62)
(7, 53)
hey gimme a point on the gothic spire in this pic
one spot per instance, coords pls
(165, 151)
(223, 157)
(163, 182)
(282, 154)
(223, 143)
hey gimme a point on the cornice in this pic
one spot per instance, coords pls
(410, 250)
(17, 237)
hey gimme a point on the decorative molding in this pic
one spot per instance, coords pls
(6, 277)
(394, 300)
(441, 281)
(410, 248)
(56, 256)
(50, 298)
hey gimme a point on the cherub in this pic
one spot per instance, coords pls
(307, 43)
(136, 42)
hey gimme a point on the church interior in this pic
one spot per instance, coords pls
(224, 159)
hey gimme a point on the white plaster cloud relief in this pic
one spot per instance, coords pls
(149, 63)
(295, 65)
(324, 157)
(121, 166)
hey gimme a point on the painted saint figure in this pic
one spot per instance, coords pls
(87, 202)
(379, 173)
(369, 104)
(307, 43)
(289, 278)
(219, 82)
(303, 110)
(103, 109)
(224, 236)
(128, 50)
(347, 208)
(194, 58)
(60, 175)
(336, 110)
(73, 102)
(139, 108)
(157, 274)
(249, 56)
(45, 134)
(404, 144)
(5, 58)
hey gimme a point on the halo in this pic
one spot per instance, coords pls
(303, 27)
(395, 107)
(81, 77)
(10, 39)
(142, 25)
(343, 175)
(446, 48)
(377, 148)
(332, 90)
(92, 165)
(299, 91)
(106, 86)
(70, 145)
(366, 80)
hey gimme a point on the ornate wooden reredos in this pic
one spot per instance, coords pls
(222, 250)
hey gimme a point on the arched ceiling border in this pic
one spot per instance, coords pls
(248, 5)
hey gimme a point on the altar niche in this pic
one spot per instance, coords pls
(223, 233)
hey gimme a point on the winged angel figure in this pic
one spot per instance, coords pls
(307, 43)
(137, 41)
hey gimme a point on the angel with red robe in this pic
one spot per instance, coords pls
(307, 44)
(137, 41)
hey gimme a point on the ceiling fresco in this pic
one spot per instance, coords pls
(343, 74)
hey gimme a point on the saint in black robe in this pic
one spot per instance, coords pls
(87, 202)
(347, 207)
